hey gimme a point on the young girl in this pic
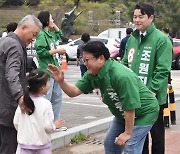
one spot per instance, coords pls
(33, 130)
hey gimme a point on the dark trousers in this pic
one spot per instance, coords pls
(8, 140)
(158, 136)
(83, 69)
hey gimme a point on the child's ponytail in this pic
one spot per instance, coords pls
(28, 102)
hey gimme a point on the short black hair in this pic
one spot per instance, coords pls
(85, 37)
(145, 8)
(165, 29)
(43, 16)
(11, 27)
(97, 48)
(129, 31)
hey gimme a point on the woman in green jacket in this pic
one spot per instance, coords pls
(48, 54)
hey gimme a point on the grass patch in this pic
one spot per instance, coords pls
(78, 138)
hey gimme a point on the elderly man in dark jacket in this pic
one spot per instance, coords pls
(13, 59)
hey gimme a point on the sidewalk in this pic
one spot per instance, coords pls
(94, 144)
(97, 132)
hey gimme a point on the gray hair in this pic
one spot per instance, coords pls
(31, 20)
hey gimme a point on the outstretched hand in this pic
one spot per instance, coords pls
(57, 74)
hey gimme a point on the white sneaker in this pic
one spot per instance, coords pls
(61, 129)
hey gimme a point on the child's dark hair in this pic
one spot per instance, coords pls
(97, 48)
(36, 80)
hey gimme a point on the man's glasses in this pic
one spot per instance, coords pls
(85, 60)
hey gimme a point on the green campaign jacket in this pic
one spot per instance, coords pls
(121, 90)
(150, 59)
(45, 42)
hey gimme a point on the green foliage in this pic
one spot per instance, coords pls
(167, 13)
(7, 16)
(2, 2)
(47, 5)
(78, 138)
(100, 18)
(25, 5)
(56, 4)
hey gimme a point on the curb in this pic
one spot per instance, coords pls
(61, 139)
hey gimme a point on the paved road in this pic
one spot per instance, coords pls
(87, 108)
(84, 108)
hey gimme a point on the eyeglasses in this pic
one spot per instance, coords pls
(85, 60)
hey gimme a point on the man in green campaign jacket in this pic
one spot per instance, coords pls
(150, 57)
(134, 106)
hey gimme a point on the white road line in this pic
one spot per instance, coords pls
(177, 99)
(104, 106)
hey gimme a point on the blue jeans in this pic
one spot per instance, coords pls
(133, 146)
(54, 95)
